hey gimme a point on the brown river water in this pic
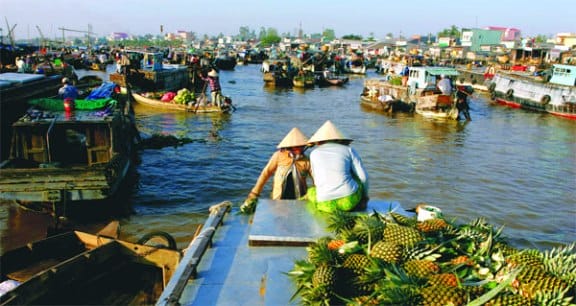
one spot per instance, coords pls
(515, 168)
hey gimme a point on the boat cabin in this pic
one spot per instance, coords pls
(563, 75)
(53, 139)
(426, 76)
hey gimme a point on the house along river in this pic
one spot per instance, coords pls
(515, 168)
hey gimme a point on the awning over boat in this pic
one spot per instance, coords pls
(442, 71)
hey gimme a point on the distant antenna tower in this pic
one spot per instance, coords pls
(300, 30)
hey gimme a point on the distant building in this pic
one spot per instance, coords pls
(566, 40)
(481, 39)
(118, 36)
(508, 34)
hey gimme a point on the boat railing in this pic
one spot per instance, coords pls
(48, 131)
(193, 255)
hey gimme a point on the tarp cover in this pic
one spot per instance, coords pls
(57, 104)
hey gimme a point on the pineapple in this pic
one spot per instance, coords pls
(387, 251)
(403, 220)
(402, 235)
(443, 279)
(529, 257)
(354, 266)
(432, 225)
(442, 295)
(335, 244)
(421, 268)
(356, 263)
(462, 260)
(326, 277)
(545, 284)
(509, 299)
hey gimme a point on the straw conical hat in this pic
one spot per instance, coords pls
(328, 131)
(213, 73)
(295, 138)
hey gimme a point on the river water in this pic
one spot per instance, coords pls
(515, 168)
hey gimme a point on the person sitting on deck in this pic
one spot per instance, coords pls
(290, 168)
(445, 85)
(341, 181)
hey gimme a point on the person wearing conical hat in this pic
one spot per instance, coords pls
(340, 179)
(214, 83)
(290, 168)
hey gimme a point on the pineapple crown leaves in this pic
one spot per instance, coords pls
(555, 297)
(505, 283)
(561, 262)
(319, 253)
(340, 221)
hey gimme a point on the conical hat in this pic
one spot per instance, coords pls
(328, 131)
(213, 73)
(295, 138)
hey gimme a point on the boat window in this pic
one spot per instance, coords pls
(68, 145)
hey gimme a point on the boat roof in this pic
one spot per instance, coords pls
(250, 255)
(434, 70)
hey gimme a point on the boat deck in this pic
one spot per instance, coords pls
(250, 255)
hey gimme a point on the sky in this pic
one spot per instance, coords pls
(212, 17)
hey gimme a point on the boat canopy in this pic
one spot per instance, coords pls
(442, 71)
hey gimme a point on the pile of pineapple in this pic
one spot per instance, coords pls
(391, 259)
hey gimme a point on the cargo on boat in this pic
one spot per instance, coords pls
(60, 156)
(147, 72)
(288, 253)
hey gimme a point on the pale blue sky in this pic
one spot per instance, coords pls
(227, 16)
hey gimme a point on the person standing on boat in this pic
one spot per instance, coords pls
(214, 84)
(290, 168)
(462, 105)
(68, 90)
(445, 85)
(341, 181)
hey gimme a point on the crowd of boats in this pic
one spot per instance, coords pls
(59, 157)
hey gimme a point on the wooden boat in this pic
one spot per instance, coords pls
(225, 62)
(436, 106)
(331, 79)
(196, 108)
(149, 73)
(60, 157)
(421, 81)
(557, 96)
(305, 80)
(277, 79)
(86, 269)
(23, 86)
(389, 106)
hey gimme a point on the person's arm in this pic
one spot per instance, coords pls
(265, 175)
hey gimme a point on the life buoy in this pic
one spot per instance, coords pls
(491, 87)
(510, 94)
(545, 99)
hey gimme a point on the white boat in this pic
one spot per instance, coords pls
(557, 96)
